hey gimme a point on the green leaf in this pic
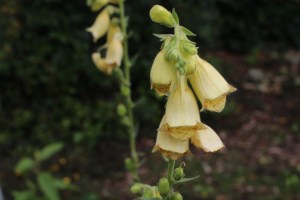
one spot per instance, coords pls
(187, 31)
(175, 16)
(24, 165)
(47, 184)
(61, 185)
(49, 151)
(147, 198)
(24, 195)
(183, 180)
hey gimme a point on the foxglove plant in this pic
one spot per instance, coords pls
(175, 66)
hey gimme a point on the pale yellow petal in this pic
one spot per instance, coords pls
(207, 140)
(112, 30)
(170, 147)
(163, 75)
(100, 26)
(101, 64)
(114, 52)
(210, 87)
(182, 113)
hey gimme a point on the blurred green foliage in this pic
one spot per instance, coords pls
(50, 89)
(45, 182)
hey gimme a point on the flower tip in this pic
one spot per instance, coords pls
(161, 15)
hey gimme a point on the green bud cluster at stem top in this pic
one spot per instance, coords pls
(177, 47)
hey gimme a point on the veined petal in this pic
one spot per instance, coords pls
(114, 52)
(168, 146)
(207, 140)
(100, 26)
(182, 113)
(210, 87)
(163, 75)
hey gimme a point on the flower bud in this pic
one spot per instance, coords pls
(190, 65)
(129, 164)
(121, 110)
(162, 16)
(172, 54)
(188, 47)
(178, 173)
(136, 188)
(176, 196)
(125, 91)
(163, 186)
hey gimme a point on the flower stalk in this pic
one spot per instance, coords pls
(128, 100)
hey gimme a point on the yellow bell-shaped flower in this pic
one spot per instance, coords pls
(113, 57)
(210, 87)
(100, 26)
(114, 52)
(163, 75)
(169, 146)
(182, 113)
(207, 139)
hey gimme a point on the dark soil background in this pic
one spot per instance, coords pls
(50, 91)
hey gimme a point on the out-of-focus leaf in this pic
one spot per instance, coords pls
(49, 150)
(23, 195)
(24, 165)
(47, 185)
(61, 185)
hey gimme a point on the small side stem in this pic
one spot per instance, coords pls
(171, 166)
(128, 100)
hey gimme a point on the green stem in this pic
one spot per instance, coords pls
(171, 166)
(128, 100)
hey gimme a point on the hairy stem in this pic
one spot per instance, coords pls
(128, 100)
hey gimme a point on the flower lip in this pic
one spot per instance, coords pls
(182, 113)
(182, 132)
(162, 75)
(169, 146)
(210, 87)
(207, 139)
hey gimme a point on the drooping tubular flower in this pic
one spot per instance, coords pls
(207, 139)
(100, 25)
(176, 63)
(182, 113)
(113, 57)
(163, 75)
(210, 87)
(169, 146)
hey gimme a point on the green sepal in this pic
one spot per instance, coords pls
(183, 180)
(151, 198)
(162, 37)
(175, 16)
(187, 31)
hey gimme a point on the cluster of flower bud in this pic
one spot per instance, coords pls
(176, 64)
(103, 25)
(163, 190)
